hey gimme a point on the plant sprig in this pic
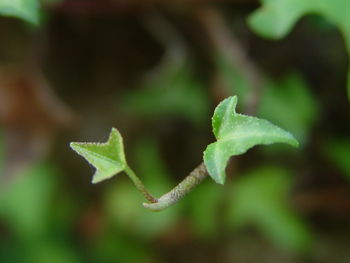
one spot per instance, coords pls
(235, 133)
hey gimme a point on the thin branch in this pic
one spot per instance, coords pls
(140, 186)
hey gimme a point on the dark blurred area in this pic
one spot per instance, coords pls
(156, 70)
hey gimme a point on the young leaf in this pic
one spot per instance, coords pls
(108, 158)
(235, 134)
(27, 10)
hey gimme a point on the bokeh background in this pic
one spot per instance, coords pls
(156, 70)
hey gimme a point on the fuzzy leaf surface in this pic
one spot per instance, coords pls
(235, 134)
(108, 158)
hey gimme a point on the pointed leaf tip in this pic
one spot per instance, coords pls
(225, 107)
(236, 133)
(108, 158)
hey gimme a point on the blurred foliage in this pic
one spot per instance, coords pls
(173, 92)
(204, 208)
(339, 152)
(235, 80)
(260, 198)
(278, 101)
(26, 201)
(275, 19)
(2, 154)
(123, 202)
(27, 10)
(26, 207)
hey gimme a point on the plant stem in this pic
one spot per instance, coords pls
(179, 191)
(140, 186)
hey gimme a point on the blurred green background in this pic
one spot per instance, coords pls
(72, 69)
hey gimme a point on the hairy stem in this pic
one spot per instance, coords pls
(179, 191)
(140, 186)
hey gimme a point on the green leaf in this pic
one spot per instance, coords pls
(108, 158)
(235, 134)
(260, 198)
(276, 18)
(27, 10)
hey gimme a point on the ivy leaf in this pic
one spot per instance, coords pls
(27, 10)
(108, 158)
(235, 134)
(275, 19)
